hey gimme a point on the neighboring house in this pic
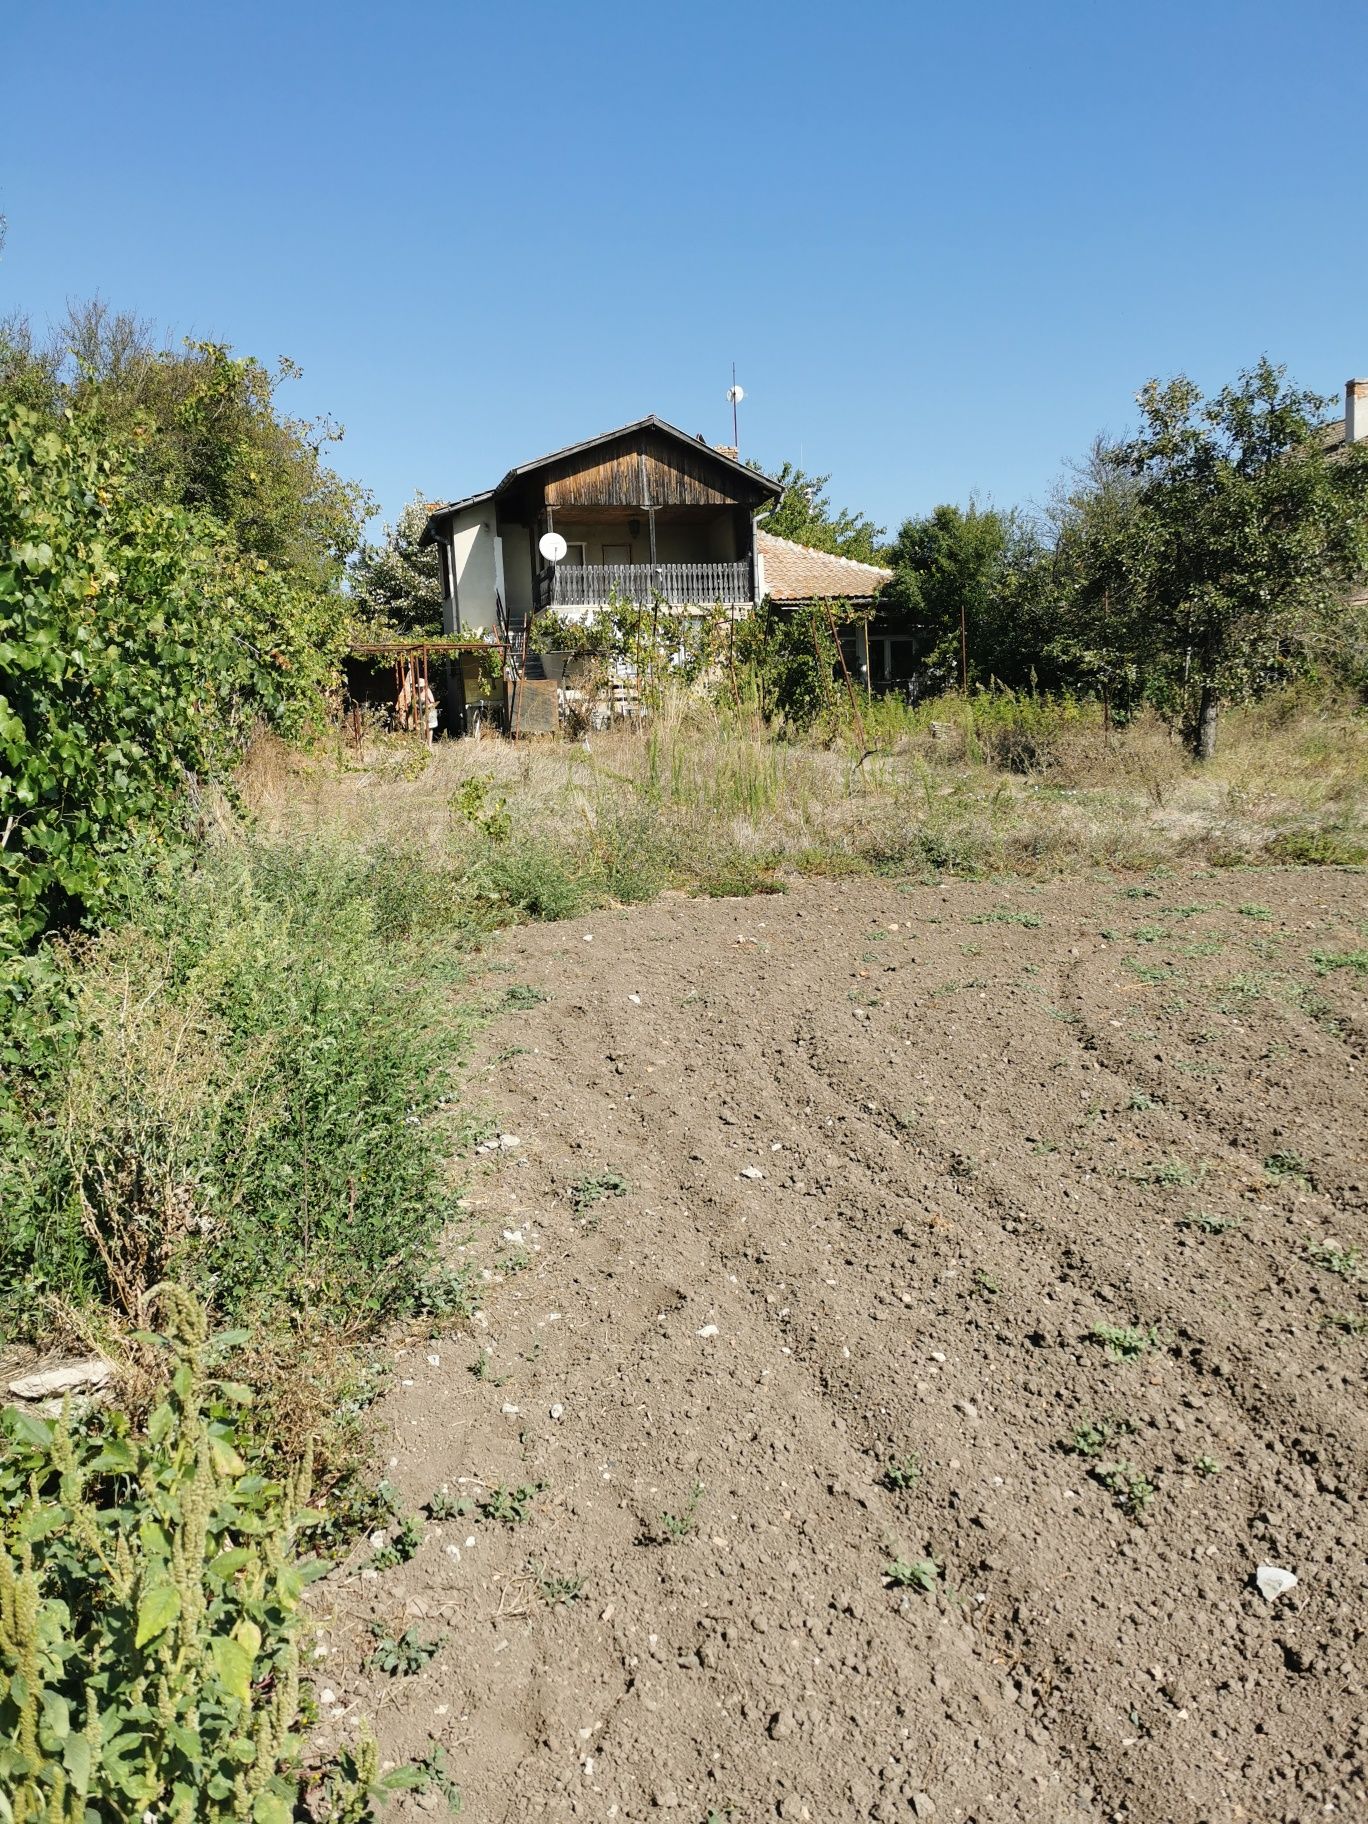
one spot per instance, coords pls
(1352, 428)
(791, 575)
(646, 512)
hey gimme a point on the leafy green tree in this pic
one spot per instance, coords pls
(970, 585)
(171, 556)
(787, 661)
(805, 515)
(138, 649)
(199, 429)
(1232, 554)
(1092, 585)
(396, 585)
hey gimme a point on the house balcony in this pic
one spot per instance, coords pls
(704, 585)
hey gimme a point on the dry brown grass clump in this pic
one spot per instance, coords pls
(701, 799)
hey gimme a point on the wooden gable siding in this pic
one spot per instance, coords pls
(647, 471)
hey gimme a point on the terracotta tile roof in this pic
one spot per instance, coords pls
(794, 573)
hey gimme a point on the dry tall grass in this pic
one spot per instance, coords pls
(700, 800)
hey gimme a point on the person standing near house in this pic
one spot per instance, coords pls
(416, 706)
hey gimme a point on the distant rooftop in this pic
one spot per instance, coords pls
(796, 573)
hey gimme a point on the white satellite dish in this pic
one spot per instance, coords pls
(552, 547)
(735, 394)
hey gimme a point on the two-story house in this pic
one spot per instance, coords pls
(646, 512)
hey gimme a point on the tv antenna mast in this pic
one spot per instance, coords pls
(735, 395)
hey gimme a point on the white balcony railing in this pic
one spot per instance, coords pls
(681, 585)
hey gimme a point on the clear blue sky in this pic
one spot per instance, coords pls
(943, 243)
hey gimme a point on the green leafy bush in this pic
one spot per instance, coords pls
(241, 1086)
(138, 646)
(1319, 848)
(149, 1610)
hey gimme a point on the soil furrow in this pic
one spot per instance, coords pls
(861, 1211)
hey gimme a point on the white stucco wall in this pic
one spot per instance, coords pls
(475, 565)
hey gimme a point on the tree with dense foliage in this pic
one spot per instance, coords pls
(969, 582)
(1223, 563)
(396, 585)
(787, 662)
(805, 515)
(138, 648)
(198, 429)
(1091, 581)
(171, 552)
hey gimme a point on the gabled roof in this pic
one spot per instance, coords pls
(796, 573)
(765, 485)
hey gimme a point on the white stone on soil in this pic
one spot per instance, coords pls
(1274, 1581)
(66, 1377)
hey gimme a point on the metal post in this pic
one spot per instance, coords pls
(964, 652)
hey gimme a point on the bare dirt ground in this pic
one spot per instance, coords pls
(889, 1156)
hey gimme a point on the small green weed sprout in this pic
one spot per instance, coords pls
(475, 803)
(1208, 1224)
(1131, 1491)
(445, 1292)
(483, 1369)
(509, 1506)
(1155, 974)
(1125, 1343)
(1139, 1103)
(903, 1474)
(1004, 915)
(401, 1547)
(1346, 1262)
(984, 1284)
(1097, 1435)
(443, 1505)
(1288, 1168)
(523, 995)
(1168, 1172)
(1327, 960)
(1208, 1466)
(434, 1776)
(672, 1528)
(1262, 913)
(588, 1193)
(402, 1655)
(555, 1589)
(912, 1574)
(1348, 1323)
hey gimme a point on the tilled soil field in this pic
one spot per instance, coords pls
(1003, 1234)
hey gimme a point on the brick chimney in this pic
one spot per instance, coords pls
(1355, 410)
